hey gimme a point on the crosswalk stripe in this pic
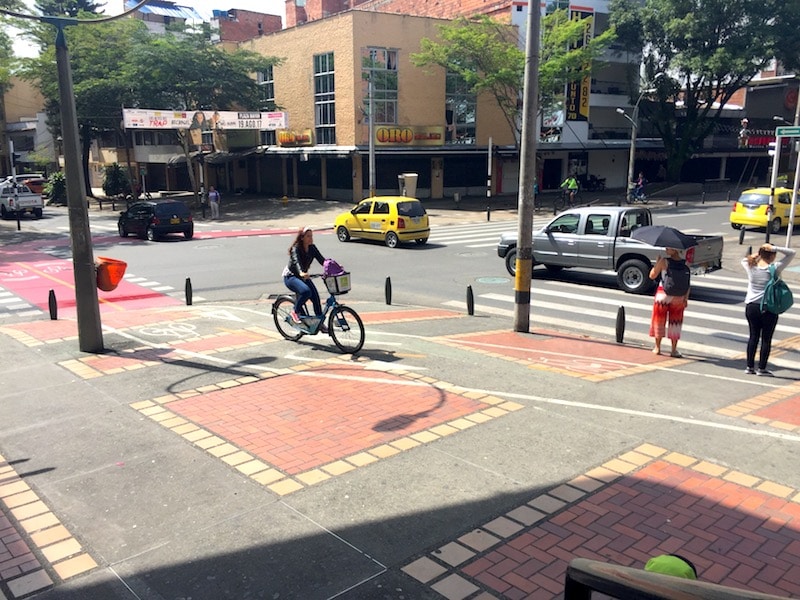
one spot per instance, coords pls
(603, 331)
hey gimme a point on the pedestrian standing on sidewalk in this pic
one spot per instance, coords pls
(302, 253)
(213, 201)
(761, 323)
(672, 296)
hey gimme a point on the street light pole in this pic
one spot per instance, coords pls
(634, 129)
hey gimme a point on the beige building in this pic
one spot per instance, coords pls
(24, 122)
(423, 123)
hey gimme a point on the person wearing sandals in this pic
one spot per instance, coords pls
(672, 296)
(302, 253)
(761, 323)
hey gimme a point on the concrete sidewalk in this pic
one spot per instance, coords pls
(202, 456)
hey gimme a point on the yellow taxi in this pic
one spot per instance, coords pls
(389, 219)
(750, 210)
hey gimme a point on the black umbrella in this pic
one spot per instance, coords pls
(664, 237)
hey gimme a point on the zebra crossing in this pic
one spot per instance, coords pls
(714, 323)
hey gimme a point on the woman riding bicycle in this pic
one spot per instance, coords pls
(302, 253)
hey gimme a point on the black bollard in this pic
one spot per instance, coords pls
(388, 290)
(620, 324)
(741, 236)
(51, 302)
(470, 301)
(749, 251)
(188, 289)
(676, 200)
(19, 226)
(488, 213)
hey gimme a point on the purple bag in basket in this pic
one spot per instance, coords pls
(330, 268)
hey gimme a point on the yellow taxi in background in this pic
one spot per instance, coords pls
(750, 210)
(389, 219)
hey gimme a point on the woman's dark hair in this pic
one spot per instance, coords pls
(298, 238)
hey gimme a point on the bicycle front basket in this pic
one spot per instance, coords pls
(338, 284)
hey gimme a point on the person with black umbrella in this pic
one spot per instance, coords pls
(671, 299)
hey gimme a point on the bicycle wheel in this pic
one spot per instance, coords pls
(346, 329)
(282, 314)
(576, 200)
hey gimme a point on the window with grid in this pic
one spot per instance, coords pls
(379, 66)
(460, 111)
(324, 99)
(266, 86)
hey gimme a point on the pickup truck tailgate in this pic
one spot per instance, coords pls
(706, 256)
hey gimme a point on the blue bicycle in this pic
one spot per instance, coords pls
(344, 325)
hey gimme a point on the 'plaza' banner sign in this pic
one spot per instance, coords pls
(141, 118)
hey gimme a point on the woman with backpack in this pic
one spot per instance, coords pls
(672, 296)
(761, 322)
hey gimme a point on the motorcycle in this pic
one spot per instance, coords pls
(592, 183)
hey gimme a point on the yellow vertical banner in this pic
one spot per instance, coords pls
(578, 92)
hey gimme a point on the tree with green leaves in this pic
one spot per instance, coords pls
(69, 8)
(706, 50)
(121, 64)
(487, 55)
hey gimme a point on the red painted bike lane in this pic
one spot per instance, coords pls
(30, 274)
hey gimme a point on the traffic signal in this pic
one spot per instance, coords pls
(771, 149)
(15, 158)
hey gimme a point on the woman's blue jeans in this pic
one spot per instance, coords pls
(304, 290)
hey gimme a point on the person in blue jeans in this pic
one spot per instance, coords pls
(302, 253)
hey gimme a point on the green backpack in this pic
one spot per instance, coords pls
(777, 295)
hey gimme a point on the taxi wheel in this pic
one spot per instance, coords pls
(736, 225)
(342, 233)
(776, 226)
(392, 240)
(421, 241)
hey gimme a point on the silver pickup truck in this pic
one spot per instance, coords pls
(598, 237)
(20, 200)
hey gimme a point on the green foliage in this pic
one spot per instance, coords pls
(488, 57)
(56, 188)
(708, 49)
(115, 181)
(70, 8)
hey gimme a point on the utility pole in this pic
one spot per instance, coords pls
(371, 140)
(527, 175)
(90, 334)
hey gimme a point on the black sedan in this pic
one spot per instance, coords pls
(153, 219)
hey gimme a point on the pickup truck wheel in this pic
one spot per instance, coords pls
(634, 277)
(776, 226)
(3, 212)
(511, 262)
(37, 212)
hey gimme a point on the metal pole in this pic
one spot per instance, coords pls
(371, 142)
(90, 334)
(489, 171)
(527, 176)
(773, 183)
(632, 155)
